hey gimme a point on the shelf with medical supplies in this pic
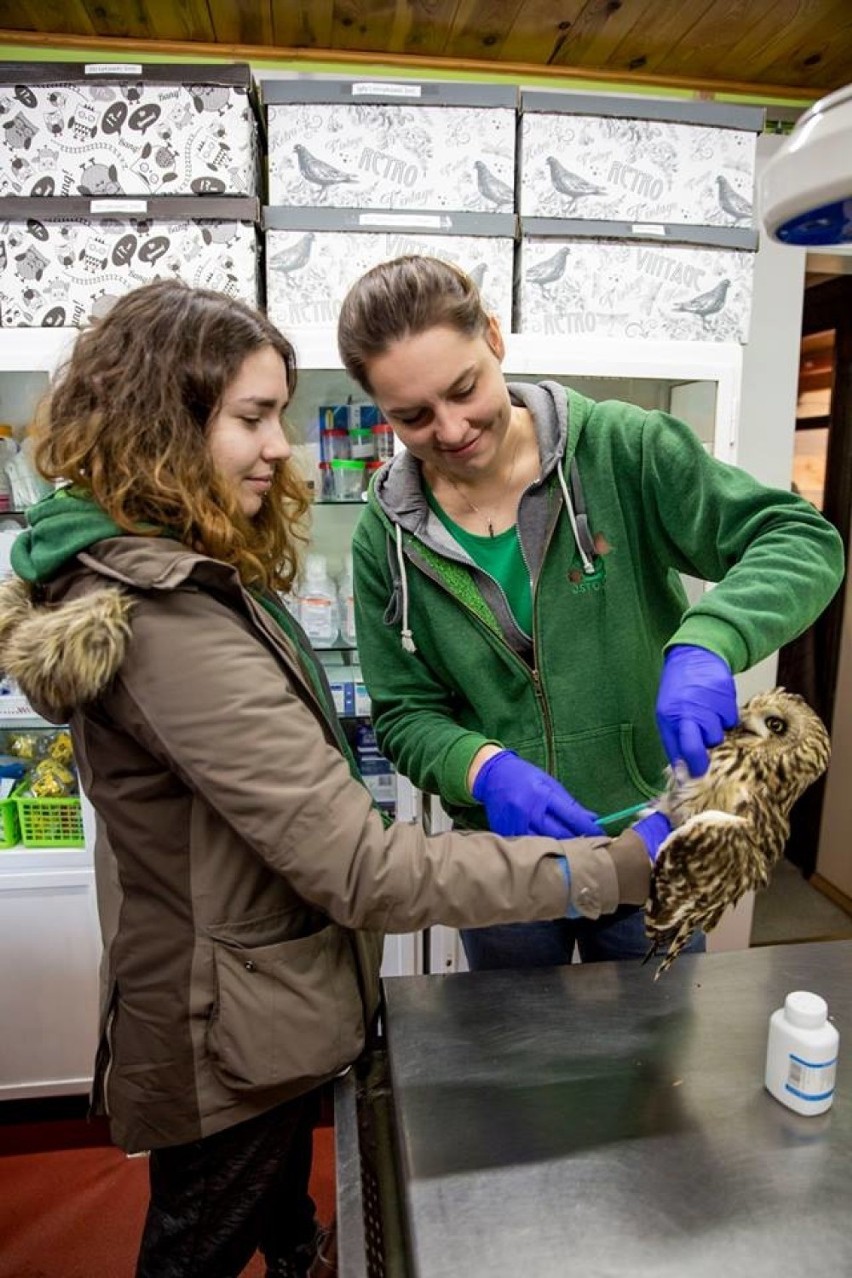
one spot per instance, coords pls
(698, 381)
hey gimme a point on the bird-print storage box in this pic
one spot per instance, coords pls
(314, 256)
(65, 261)
(386, 145)
(614, 279)
(99, 129)
(637, 159)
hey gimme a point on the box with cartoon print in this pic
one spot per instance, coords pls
(313, 256)
(383, 145)
(614, 280)
(106, 129)
(631, 159)
(65, 261)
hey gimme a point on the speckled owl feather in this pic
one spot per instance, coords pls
(731, 825)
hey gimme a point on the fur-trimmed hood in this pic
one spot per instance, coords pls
(62, 656)
(62, 637)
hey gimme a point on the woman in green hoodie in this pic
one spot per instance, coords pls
(519, 610)
(244, 876)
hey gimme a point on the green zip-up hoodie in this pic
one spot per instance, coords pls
(577, 697)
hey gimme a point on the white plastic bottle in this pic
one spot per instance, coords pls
(318, 603)
(346, 604)
(801, 1054)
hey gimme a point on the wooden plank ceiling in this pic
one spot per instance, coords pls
(803, 47)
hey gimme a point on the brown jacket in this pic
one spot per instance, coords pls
(244, 878)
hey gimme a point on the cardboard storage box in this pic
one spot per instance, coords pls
(314, 256)
(637, 159)
(63, 261)
(610, 279)
(373, 145)
(101, 129)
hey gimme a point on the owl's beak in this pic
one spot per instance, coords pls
(755, 725)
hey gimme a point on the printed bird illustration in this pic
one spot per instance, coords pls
(318, 171)
(571, 184)
(706, 304)
(492, 187)
(731, 824)
(294, 257)
(548, 271)
(731, 202)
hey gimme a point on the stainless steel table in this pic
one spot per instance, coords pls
(590, 1121)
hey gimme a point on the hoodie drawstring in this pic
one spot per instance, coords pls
(408, 643)
(588, 566)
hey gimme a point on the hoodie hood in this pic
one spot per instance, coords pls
(61, 525)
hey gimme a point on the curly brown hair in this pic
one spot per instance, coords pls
(126, 421)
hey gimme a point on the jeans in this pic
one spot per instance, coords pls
(620, 935)
(216, 1201)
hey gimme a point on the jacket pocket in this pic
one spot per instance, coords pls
(285, 1012)
(599, 768)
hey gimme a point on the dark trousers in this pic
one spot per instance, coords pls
(216, 1201)
(620, 935)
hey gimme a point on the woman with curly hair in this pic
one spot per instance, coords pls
(244, 875)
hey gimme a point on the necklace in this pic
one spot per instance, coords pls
(488, 520)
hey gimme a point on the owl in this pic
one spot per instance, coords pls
(732, 823)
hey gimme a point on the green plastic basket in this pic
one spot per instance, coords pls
(50, 823)
(10, 830)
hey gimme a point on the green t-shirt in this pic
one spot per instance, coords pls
(500, 557)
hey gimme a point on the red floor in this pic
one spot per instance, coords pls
(72, 1206)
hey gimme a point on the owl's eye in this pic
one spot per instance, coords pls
(776, 724)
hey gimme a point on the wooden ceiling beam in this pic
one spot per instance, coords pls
(521, 71)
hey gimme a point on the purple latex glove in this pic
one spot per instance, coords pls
(521, 799)
(653, 830)
(696, 702)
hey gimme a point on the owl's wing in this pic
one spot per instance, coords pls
(704, 866)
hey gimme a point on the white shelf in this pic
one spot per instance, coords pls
(16, 711)
(44, 869)
(18, 857)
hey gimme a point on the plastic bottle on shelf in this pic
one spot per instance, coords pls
(383, 441)
(346, 604)
(318, 603)
(801, 1054)
(8, 451)
(292, 603)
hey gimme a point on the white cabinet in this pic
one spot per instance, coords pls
(49, 951)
